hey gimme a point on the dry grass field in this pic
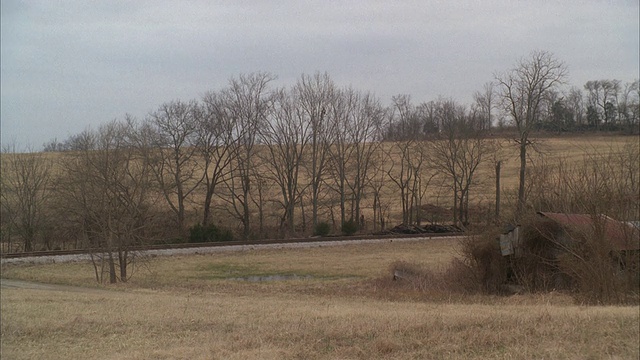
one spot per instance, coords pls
(342, 304)
(571, 149)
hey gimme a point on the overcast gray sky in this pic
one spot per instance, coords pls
(68, 65)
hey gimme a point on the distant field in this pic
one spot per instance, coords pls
(568, 148)
(342, 305)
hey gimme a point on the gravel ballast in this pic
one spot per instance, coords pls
(213, 249)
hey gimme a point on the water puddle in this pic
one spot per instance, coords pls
(267, 278)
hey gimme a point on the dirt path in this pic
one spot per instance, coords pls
(19, 284)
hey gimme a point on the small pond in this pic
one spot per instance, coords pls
(275, 277)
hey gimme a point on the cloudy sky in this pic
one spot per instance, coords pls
(69, 65)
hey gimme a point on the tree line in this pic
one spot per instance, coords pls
(271, 161)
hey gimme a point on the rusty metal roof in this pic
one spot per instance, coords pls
(621, 235)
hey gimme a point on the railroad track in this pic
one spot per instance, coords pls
(227, 243)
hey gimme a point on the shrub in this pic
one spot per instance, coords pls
(592, 270)
(209, 233)
(349, 228)
(481, 266)
(419, 278)
(322, 229)
(535, 268)
(576, 259)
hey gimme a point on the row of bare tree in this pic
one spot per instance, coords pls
(606, 105)
(263, 158)
(248, 147)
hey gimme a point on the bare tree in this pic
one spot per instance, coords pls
(53, 145)
(25, 188)
(485, 102)
(364, 128)
(217, 140)
(574, 102)
(602, 182)
(356, 123)
(401, 173)
(286, 135)
(403, 168)
(378, 183)
(340, 150)
(314, 95)
(249, 102)
(602, 97)
(426, 112)
(106, 192)
(522, 90)
(629, 106)
(458, 152)
(423, 174)
(174, 136)
(406, 124)
(555, 115)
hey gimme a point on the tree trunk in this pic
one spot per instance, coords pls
(357, 210)
(375, 212)
(455, 203)
(303, 216)
(523, 166)
(122, 260)
(314, 207)
(342, 201)
(461, 209)
(245, 222)
(498, 165)
(112, 268)
(95, 267)
(206, 216)
(28, 244)
(314, 175)
(290, 219)
(180, 194)
(245, 208)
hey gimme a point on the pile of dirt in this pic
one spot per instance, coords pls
(439, 229)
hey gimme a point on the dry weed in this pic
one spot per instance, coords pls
(185, 308)
(131, 324)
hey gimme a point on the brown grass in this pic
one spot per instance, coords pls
(189, 307)
(170, 325)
